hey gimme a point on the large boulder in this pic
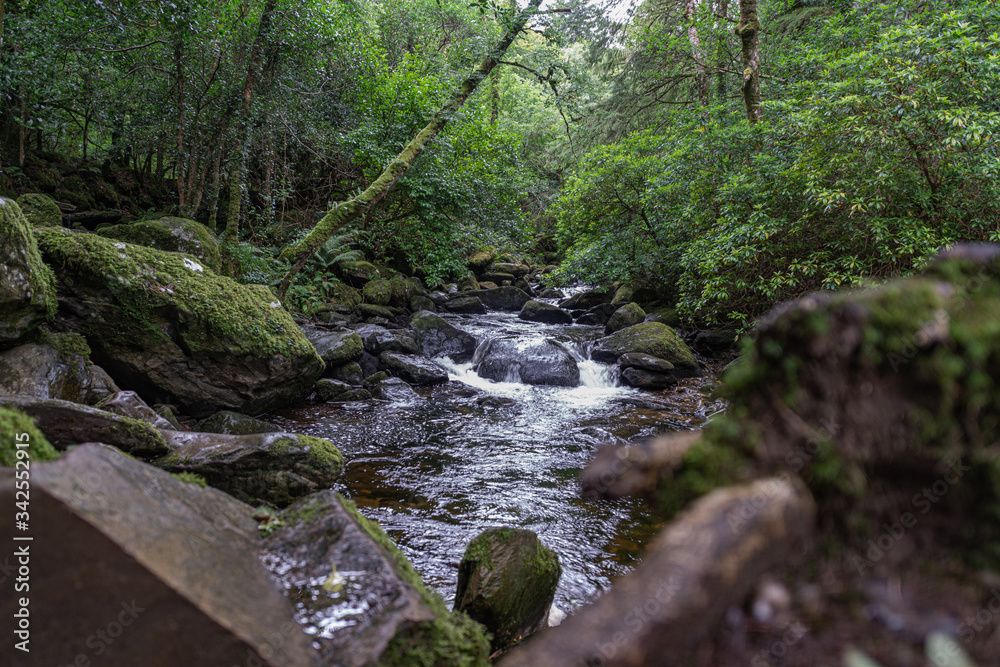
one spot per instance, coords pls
(40, 210)
(516, 270)
(235, 423)
(627, 315)
(275, 468)
(170, 234)
(167, 327)
(357, 596)
(539, 311)
(543, 362)
(503, 298)
(437, 338)
(413, 369)
(57, 368)
(651, 338)
(65, 424)
(465, 304)
(358, 274)
(506, 581)
(27, 288)
(380, 339)
(599, 315)
(589, 298)
(130, 566)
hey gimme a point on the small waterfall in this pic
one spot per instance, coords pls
(593, 374)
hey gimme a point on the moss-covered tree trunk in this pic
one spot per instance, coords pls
(747, 30)
(697, 52)
(721, 53)
(344, 212)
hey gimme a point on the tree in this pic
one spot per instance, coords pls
(344, 212)
(748, 30)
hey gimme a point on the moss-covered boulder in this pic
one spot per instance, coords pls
(378, 291)
(627, 315)
(322, 550)
(506, 581)
(50, 370)
(358, 274)
(164, 325)
(480, 260)
(623, 295)
(27, 289)
(336, 347)
(19, 433)
(170, 234)
(512, 268)
(40, 210)
(436, 337)
(272, 468)
(651, 338)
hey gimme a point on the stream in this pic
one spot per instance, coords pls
(473, 453)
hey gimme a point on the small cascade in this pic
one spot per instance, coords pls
(592, 373)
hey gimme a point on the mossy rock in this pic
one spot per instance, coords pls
(623, 295)
(378, 292)
(479, 261)
(358, 274)
(40, 210)
(166, 326)
(27, 287)
(344, 294)
(652, 338)
(18, 428)
(171, 234)
(506, 581)
(235, 423)
(627, 315)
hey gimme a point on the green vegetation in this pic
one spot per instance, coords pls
(17, 427)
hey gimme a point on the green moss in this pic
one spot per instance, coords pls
(171, 234)
(67, 343)
(345, 294)
(191, 478)
(451, 639)
(652, 338)
(27, 285)
(212, 310)
(323, 453)
(40, 210)
(378, 292)
(135, 431)
(17, 427)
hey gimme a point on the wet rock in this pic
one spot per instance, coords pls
(486, 284)
(598, 315)
(336, 348)
(378, 291)
(395, 390)
(524, 286)
(627, 315)
(165, 326)
(413, 369)
(170, 234)
(495, 401)
(552, 293)
(651, 338)
(588, 299)
(538, 311)
(43, 371)
(65, 423)
(436, 337)
(651, 380)
(352, 373)
(623, 295)
(173, 562)
(666, 316)
(40, 210)
(379, 339)
(539, 363)
(646, 362)
(331, 390)
(376, 313)
(274, 468)
(368, 363)
(718, 344)
(504, 298)
(506, 581)
(27, 288)
(468, 284)
(128, 404)
(472, 305)
(707, 559)
(356, 594)
(168, 413)
(357, 274)
(235, 423)
(419, 303)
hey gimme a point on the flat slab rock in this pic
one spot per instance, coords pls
(344, 586)
(277, 468)
(165, 568)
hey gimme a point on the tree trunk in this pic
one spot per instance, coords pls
(722, 11)
(344, 212)
(178, 170)
(213, 198)
(237, 177)
(23, 133)
(697, 52)
(747, 30)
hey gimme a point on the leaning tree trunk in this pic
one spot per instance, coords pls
(344, 212)
(747, 30)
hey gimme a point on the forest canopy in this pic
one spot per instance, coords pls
(724, 154)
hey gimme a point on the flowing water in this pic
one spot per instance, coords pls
(473, 454)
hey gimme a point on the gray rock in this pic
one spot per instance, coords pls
(395, 390)
(504, 298)
(642, 379)
(437, 338)
(338, 347)
(651, 338)
(413, 369)
(64, 423)
(419, 303)
(541, 363)
(599, 314)
(357, 596)
(351, 373)
(332, 390)
(646, 362)
(121, 542)
(275, 468)
(552, 293)
(589, 299)
(510, 268)
(525, 287)
(44, 372)
(128, 404)
(538, 311)
(497, 278)
(379, 339)
(506, 581)
(472, 305)
(27, 289)
(235, 423)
